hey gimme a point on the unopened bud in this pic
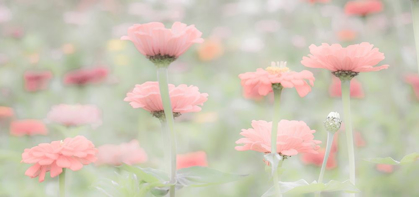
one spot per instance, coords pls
(333, 122)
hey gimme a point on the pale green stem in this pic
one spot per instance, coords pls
(274, 134)
(415, 18)
(346, 100)
(329, 142)
(165, 142)
(276, 180)
(164, 92)
(62, 183)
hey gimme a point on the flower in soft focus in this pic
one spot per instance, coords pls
(413, 79)
(345, 62)
(6, 112)
(72, 153)
(28, 127)
(210, 49)
(129, 153)
(184, 98)
(259, 83)
(192, 159)
(385, 168)
(356, 90)
(75, 115)
(363, 7)
(347, 35)
(293, 137)
(317, 159)
(318, 1)
(160, 45)
(37, 80)
(86, 76)
(359, 139)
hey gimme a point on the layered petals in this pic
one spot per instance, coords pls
(192, 159)
(363, 7)
(86, 76)
(129, 153)
(75, 115)
(28, 127)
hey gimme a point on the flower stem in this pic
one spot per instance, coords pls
(415, 18)
(164, 92)
(329, 142)
(346, 100)
(274, 134)
(62, 183)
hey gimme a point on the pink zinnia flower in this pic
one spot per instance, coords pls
(184, 98)
(259, 83)
(413, 79)
(72, 153)
(37, 80)
(86, 76)
(28, 127)
(75, 115)
(356, 90)
(385, 168)
(345, 62)
(192, 159)
(318, 1)
(347, 35)
(363, 7)
(158, 43)
(6, 112)
(293, 137)
(129, 153)
(317, 159)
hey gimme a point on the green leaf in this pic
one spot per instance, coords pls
(148, 175)
(410, 158)
(197, 176)
(303, 187)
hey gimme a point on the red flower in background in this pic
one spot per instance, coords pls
(413, 79)
(28, 127)
(86, 76)
(6, 112)
(37, 80)
(192, 159)
(363, 7)
(129, 153)
(356, 90)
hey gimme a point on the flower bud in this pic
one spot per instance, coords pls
(333, 122)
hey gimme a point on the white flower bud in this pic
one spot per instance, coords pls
(333, 122)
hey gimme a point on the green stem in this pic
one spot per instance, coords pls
(164, 92)
(415, 18)
(329, 142)
(166, 141)
(62, 183)
(346, 100)
(274, 137)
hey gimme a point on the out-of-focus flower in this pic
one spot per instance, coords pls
(317, 159)
(356, 90)
(75, 115)
(345, 62)
(293, 137)
(68, 48)
(129, 153)
(28, 127)
(76, 18)
(359, 139)
(318, 1)
(86, 76)
(268, 26)
(252, 44)
(5, 14)
(385, 168)
(259, 83)
(184, 98)
(191, 159)
(161, 45)
(72, 153)
(115, 45)
(6, 112)
(363, 7)
(37, 80)
(413, 79)
(347, 35)
(210, 49)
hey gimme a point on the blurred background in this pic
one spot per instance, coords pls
(69, 52)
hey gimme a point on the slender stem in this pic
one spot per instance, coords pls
(274, 134)
(329, 142)
(276, 180)
(165, 142)
(346, 100)
(415, 18)
(62, 183)
(164, 92)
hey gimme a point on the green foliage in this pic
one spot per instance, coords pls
(408, 159)
(197, 176)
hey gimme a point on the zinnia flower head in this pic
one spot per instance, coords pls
(28, 127)
(318, 1)
(184, 98)
(345, 63)
(210, 49)
(129, 153)
(278, 75)
(6, 112)
(386, 168)
(192, 159)
(356, 90)
(37, 80)
(86, 76)
(160, 45)
(317, 159)
(413, 79)
(363, 7)
(72, 153)
(75, 115)
(293, 137)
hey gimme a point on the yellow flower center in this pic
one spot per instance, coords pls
(277, 68)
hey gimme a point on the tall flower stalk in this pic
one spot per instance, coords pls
(415, 18)
(277, 88)
(62, 183)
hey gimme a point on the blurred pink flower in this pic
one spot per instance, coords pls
(317, 159)
(356, 88)
(129, 153)
(363, 7)
(28, 127)
(192, 159)
(75, 115)
(413, 79)
(259, 83)
(37, 80)
(156, 42)
(354, 58)
(347, 35)
(6, 112)
(385, 168)
(184, 98)
(318, 1)
(359, 139)
(293, 137)
(72, 153)
(86, 76)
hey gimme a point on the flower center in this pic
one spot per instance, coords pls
(277, 68)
